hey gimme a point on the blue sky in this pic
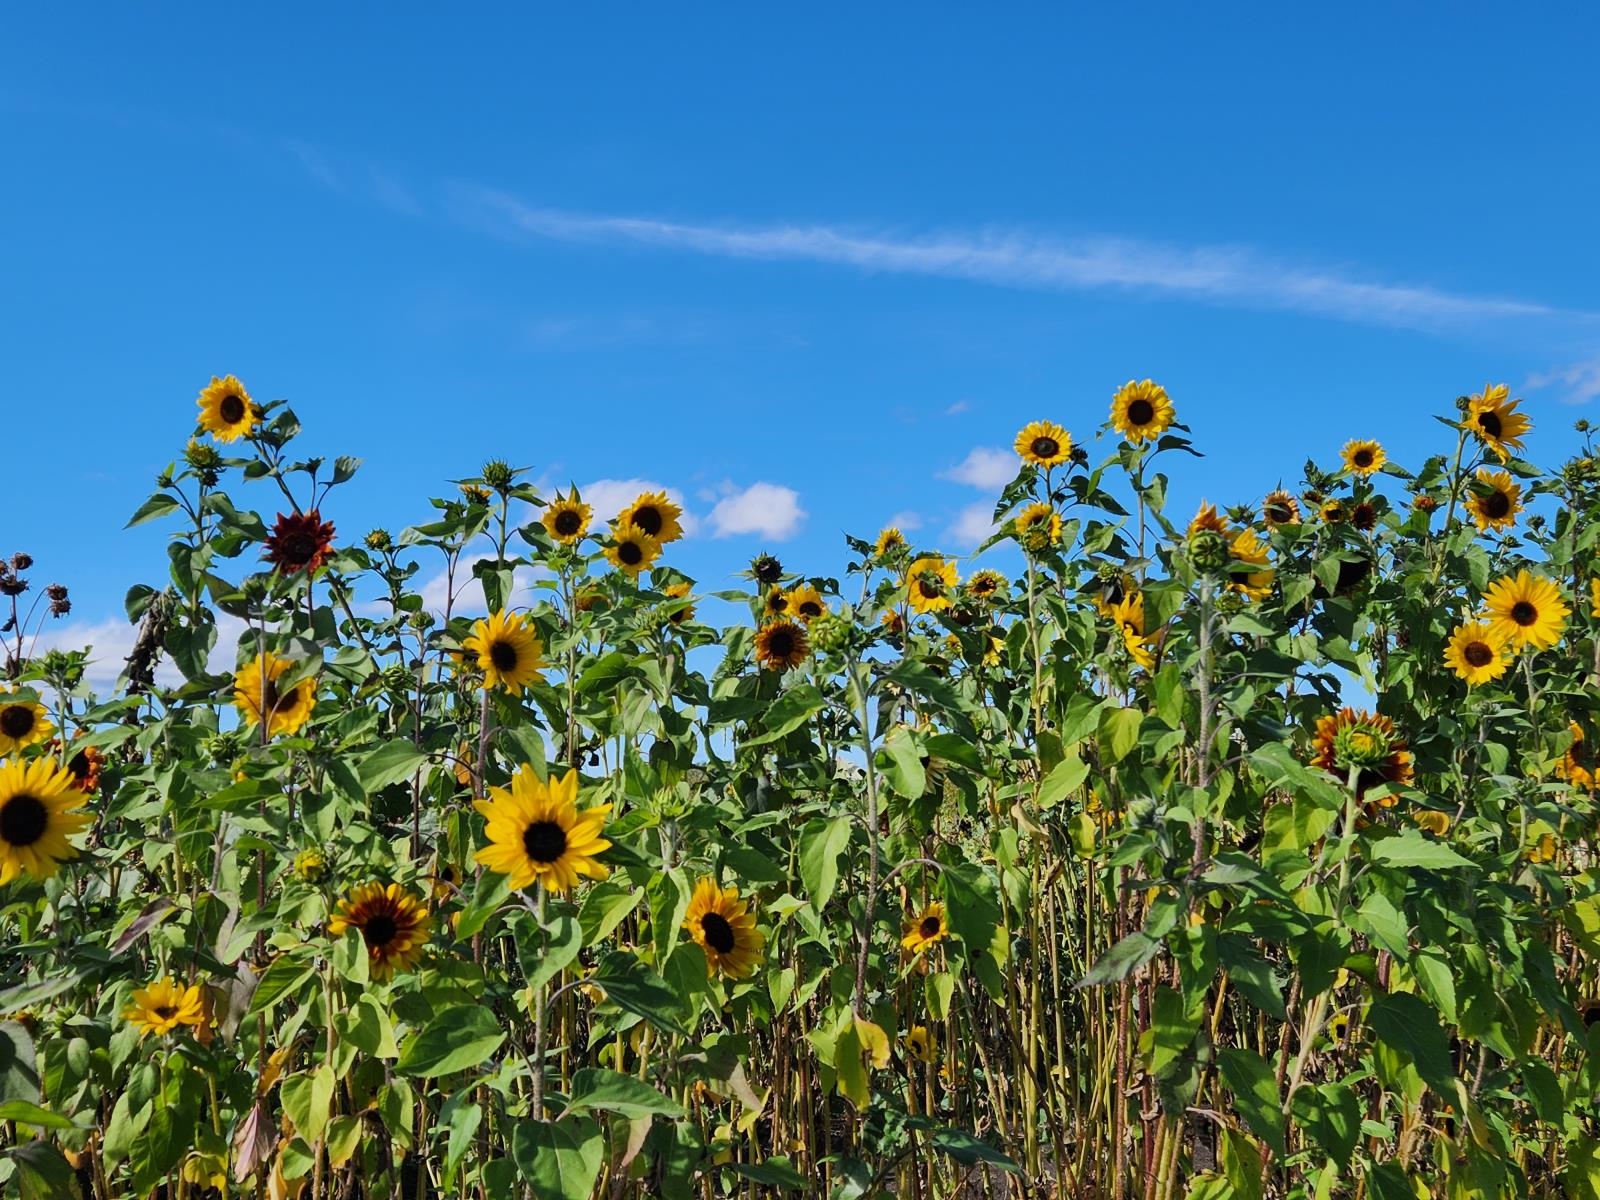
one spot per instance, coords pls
(827, 252)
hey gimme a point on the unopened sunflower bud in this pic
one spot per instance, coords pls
(379, 540)
(222, 747)
(764, 568)
(830, 633)
(310, 866)
(1581, 425)
(497, 473)
(1208, 550)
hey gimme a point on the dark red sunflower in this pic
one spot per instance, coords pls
(299, 542)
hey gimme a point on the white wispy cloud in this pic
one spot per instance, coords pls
(767, 509)
(1578, 383)
(972, 524)
(985, 467)
(905, 521)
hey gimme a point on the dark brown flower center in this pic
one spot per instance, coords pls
(379, 930)
(931, 589)
(930, 927)
(296, 549)
(231, 409)
(1478, 654)
(810, 608)
(23, 820)
(777, 602)
(1046, 447)
(780, 643)
(503, 655)
(648, 519)
(1364, 517)
(1362, 458)
(1490, 423)
(631, 553)
(165, 1011)
(1496, 505)
(1278, 513)
(16, 720)
(78, 765)
(544, 841)
(1524, 613)
(1141, 412)
(718, 933)
(567, 522)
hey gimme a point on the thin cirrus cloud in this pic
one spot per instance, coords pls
(985, 467)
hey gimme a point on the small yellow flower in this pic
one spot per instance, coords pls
(162, 1006)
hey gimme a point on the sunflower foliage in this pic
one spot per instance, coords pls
(1239, 857)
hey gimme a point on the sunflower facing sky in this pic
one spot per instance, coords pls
(1476, 653)
(255, 689)
(1365, 743)
(1363, 456)
(1280, 508)
(986, 584)
(1494, 500)
(226, 411)
(566, 518)
(781, 644)
(656, 514)
(537, 835)
(299, 542)
(890, 541)
(1492, 417)
(508, 651)
(38, 812)
(926, 929)
(1043, 444)
(1141, 411)
(163, 1005)
(631, 549)
(931, 584)
(1526, 610)
(806, 603)
(393, 921)
(724, 926)
(23, 722)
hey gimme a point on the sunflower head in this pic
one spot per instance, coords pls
(162, 1006)
(1476, 653)
(226, 410)
(1494, 500)
(506, 649)
(655, 514)
(890, 542)
(566, 518)
(1250, 574)
(1333, 511)
(631, 549)
(1141, 411)
(919, 1043)
(256, 690)
(806, 603)
(781, 644)
(85, 766)
(23, 722)
(1280, 508)
(1364, 743)
(1526, 610)
(299, 542)
(931, 584)
(679, 591)
(724, 926)
(1038, 527)
(765, 569)
(1492, 418)
(476, 495)
(924, 929)
(1577, 765)
(38, 812)
(393, 921)
(1363, 457)
(985, 585)
(537, 834)
(1043, 444)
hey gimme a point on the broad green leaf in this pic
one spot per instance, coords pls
(821, 843)
(456, 1039)
(1255, 1090)
(1406, 1023)
(790, 711)
(1411, 849)
(560, 1160)
(972, 903)
(390, 763)
(596, 1088)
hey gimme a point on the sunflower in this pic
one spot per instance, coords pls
(226, 411)
(679, 591)
(1363, 457)
(163, 1005)
(764, 568)
(1141, 412)
(781, 645)
(393, 922)
(1526, 610)
(476, 494)
(927, 928)
(656, 515)
(286, 712)
(537, 834)
(1333, 511)
(1044, 444)
(1207, 520)
(1280, 508)
(299, 542)
(806, 603)
(776, 604)
(509, 652)
(1494, 500)
(1363, 742)
(1128, 615)
(1435, 822)
(566, 518)
(1577, 765)
(1038, 526)
(38, 810)
(919, 1043)
(1364, 516)
(893, 623)
(22, 722)
(1138, 648)
(1493, 418)
(1251, 572)
(632, 549)
(931, 582)
(85, 767)
(986, 584)
(890, 541)
(1477, 653)
(1594, 596)
(724, 926)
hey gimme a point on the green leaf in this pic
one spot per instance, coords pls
(1411, 849)
(1405, 1023)
(283, 975)
(596, 1088)
(775, 1172)
(1255, 1090)
(634, 987)
(821, 843)
(965, 1148)
(972, 902)
(1119, 732)
(159, 505)
(790, 711)
(544, 954)
(900, 759)
(31, 1114)
(391, 762)
(306, 1098)
(1065, 779)
(1131, 953)
(42, 1171)
(457, 1038)
(1330, 1114)
(560, 1160)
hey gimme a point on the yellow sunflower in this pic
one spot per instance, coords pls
(776, 604)
(806, 603)
(1333, 511)
(163, 1005)
(1128, 613)
(1141, 411)
(632, 549)
(537, 834)
(566, 518)
(1436, 823)
(781, 645)
(679, 591)
(1280, 508)
(1363, 457)
(1493, 418)
(1476, 653)
(1494, 501)
(925, 929)
(1594, 596)
(506, 649)
(1366, 743)
(286, 711)
(226, 411)
(1038, 526)
(38, 812)
(1044, 444)
(1526, 610)
(394, 923)
(1577, 765)
(986, 584)
(656, 515)
(890, 541)
(724, 926)
(22, 722)
(1207, 520)
(932, 583)
(1251, 572)
(919, 1043)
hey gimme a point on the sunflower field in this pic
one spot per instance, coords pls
(1241, 856)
